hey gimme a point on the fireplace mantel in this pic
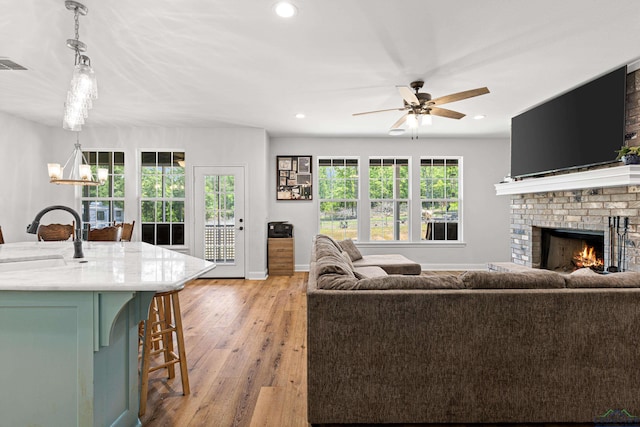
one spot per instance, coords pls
(617, 176)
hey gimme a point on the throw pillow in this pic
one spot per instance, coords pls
(349, 247)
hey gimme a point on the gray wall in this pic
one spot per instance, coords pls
(485, 215)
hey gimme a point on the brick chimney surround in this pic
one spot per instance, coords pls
(579, 200)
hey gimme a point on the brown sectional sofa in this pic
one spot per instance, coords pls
(531, 347)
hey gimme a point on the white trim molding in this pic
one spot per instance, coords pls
(617, 176)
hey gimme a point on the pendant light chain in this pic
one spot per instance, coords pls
(76, 17)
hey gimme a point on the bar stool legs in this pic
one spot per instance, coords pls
(157, 337)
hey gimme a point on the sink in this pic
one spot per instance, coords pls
(31, 263)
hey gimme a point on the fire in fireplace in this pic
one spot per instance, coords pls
(567, 249)
(587, 258)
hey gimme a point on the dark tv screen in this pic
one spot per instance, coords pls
(579, 128)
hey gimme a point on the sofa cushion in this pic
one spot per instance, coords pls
(331, 264)
(327, 239)
(397, 282)
(326, 248)
(349, 247)
(335, 281)
(581, 279)
(533, 279)
(347, 259)
(370, 271)
(392, 263)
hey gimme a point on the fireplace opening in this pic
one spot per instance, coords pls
(567, 250)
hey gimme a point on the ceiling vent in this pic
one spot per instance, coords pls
(7, 64)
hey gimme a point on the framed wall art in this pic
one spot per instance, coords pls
(294, 179)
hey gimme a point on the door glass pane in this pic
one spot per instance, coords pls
(219, 205)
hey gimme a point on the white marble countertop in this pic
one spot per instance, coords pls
(106, 266)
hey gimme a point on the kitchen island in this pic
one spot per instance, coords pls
(69, 328)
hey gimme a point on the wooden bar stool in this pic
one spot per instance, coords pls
(163, 322)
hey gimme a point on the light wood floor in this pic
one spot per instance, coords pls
(246, 353)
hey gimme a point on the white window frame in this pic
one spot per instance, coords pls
(395, 200)
(459, 200)
(163, 199)
(357, 201)
(111, 199)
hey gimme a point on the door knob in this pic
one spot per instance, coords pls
(240, 228)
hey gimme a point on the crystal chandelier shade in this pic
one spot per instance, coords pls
(83, 89)
(82, 92)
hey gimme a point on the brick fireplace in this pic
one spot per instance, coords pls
(580, 200)
(580, 209)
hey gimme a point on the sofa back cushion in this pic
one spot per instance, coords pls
(534, 279)
(584, 279)
(394, 282)
(326, 247)
(331, 264)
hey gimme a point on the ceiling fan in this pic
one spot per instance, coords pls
(420, 104)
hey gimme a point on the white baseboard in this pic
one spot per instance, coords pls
(257, 275)
(301, 267)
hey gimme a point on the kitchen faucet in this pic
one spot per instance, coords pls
(77, 240)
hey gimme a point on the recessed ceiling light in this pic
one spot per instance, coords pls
(284, 9)
(479, 117)
(396, 132)
(300, 116)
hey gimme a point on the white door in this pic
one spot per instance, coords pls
(219, 219)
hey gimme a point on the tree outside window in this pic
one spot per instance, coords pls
(389, 198)
(339, 197)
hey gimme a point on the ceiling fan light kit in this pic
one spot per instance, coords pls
(420, 107)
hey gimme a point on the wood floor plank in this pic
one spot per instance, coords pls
(246, 353)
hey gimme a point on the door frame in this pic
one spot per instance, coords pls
(196, 169)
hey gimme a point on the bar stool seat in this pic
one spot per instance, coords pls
(157, 338)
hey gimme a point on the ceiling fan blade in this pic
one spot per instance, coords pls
(459, 96)
(378, 111)
(400, 121)
(443, 112)
(408, 95)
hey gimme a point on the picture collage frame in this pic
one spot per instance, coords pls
(294, 179)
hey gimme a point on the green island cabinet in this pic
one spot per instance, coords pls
(69, 328)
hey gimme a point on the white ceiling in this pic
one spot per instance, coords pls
(212, 63)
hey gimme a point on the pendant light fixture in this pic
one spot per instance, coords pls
(82, 92)
(80, 172)
(84, 87)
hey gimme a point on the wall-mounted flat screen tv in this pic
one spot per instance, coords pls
(582, 127)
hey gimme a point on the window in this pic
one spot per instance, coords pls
(339, 197)
(389, 199)
(162, 180)
(440, 198)
(104, 204)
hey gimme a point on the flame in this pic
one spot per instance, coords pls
(587, 258)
